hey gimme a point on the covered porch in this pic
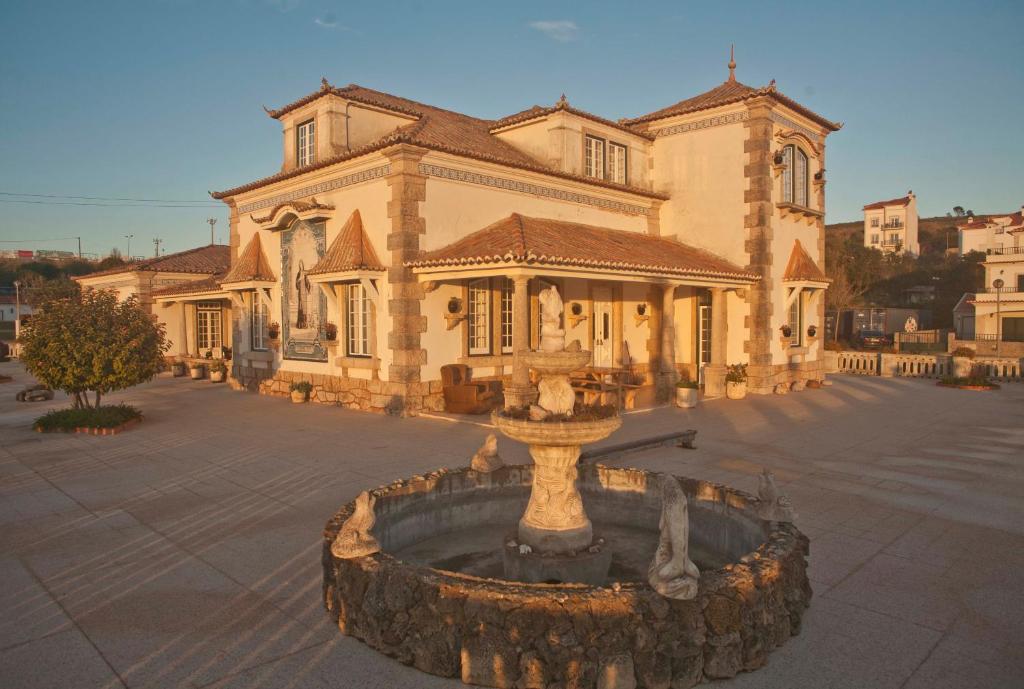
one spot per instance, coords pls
(650, 309)
(198, 316)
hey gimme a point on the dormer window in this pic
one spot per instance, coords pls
(605, 159)
(305, 149)
(794, 179)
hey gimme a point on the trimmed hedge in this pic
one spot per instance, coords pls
(107, 416)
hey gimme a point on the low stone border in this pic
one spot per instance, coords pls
(508, 634)
(93, 430)
(979, 388)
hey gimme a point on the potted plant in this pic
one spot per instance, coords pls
(736, 382)
(218, 370)
(963, 361)
(274, 331)
(300, 391)
(178, 368)
(226, 353)
(196, 370)
(686, 394)
(208, 354)
(787, 330)
(330, 332)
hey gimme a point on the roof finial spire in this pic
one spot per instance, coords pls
(732, 63)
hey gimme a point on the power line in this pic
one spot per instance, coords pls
(37, 241)
(101, 198)
(110, 205)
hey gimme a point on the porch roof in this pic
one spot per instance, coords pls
(802, 268)
(521, 241)
(351, 250)
(194, 290)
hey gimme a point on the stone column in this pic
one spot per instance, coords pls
(190, 327)
(183, 330)
(520, 392)
(667, 373)
(404, 392)
(714, 372)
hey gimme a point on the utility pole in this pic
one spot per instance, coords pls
(156, 246)
(79, 248)
(212, 221)
(128, 249)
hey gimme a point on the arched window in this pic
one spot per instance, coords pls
(794, 178)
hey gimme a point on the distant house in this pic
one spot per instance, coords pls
(891, 226)
(963, 317)
(201, 321)
(987, 232)
(999, 305)
(8, 304)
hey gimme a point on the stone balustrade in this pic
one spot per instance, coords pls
(1002, 369)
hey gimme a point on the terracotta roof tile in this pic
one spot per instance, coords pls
(901, 201)
(563, 105)
(729, 92)
(435, 129)
(351, 250)
(518, 239)
(213, 258)
(252, 265)
(802, 267)
(210, 284)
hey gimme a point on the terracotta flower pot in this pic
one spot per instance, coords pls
(196, 372)
(298, 397)
(178, 370)
(217, 376)
(686, 398)
(736, 391)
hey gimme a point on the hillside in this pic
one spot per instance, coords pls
(934, 234)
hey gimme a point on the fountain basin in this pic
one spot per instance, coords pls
(433, 597)
(556, 433)
(555, 363)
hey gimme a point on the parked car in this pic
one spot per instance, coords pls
(872, 339)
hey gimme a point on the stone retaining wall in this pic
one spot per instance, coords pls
(507, 634)
(354, 393)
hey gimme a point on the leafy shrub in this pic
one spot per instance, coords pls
(737, 374)
(964, 351)
(687, 383)
(303, 386)
(106, 416)
(91, 342)
(218, 366)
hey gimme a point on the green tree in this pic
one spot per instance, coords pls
(91, 342)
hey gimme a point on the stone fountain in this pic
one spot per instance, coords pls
(675, 581)
(555, 530)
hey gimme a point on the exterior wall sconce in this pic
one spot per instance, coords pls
(641, 316)
(455, 314)
(576, 315)
(778, 163)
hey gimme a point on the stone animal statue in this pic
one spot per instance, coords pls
(672, 573)
(772, 505)
(556, 395)
(486, 458)
(552, 337)
(354, 539)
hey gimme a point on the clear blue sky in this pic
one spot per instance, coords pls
(162, 100)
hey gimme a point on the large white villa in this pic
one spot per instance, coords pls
(398, 238)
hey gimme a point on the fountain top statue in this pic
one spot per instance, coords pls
(552, 336)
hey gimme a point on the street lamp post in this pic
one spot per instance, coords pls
(128, 249)
(17, 312)
(998, 284)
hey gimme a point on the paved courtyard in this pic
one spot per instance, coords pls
(185, 553)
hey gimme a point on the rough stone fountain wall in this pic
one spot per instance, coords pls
(506, 634)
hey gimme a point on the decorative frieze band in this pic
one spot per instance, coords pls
(322, 187)
(706, 123)
(786, 122)
(529, 188)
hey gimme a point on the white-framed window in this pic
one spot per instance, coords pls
(478, 317)
(874, 238)
(874, 222)
(305, 150)
(258, 323)
(796, 321)
(208, 322)
(794, 177)
(617, 163)
(506, 288)
(357, 320)
(594, 157)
